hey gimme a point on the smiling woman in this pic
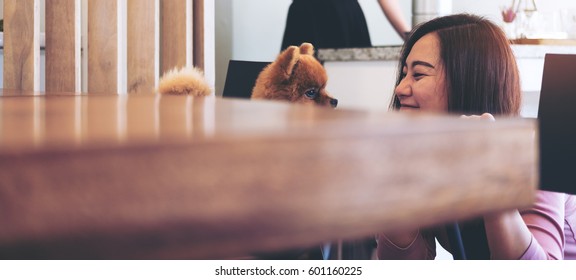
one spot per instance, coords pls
(463, 64)
(432, 61)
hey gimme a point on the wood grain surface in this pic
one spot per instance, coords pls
(21, 45)
(177, 177)
(174, 47)
(143, 69)
(103, 46)
(198, 27)
(63, 45)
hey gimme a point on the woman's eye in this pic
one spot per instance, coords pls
(311, 93)
(418, 75)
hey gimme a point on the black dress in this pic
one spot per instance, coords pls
(326, 24)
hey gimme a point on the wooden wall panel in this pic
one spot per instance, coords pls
(21, 44)
(63, 45)
(173, 34)
(103, 46)
(198, 45)
(153, 36)
(142, 46)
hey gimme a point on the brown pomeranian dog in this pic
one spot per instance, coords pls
(295, 76)
(184, 81)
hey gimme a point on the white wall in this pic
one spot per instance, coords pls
(247, 30)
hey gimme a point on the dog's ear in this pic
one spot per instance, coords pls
(287, 60)
(307, 48)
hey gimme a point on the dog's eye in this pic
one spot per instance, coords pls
(311, 94)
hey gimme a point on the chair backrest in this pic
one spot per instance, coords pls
(125, 48)
(556, 133)
(241, 77)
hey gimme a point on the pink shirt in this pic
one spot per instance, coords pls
(552, 222)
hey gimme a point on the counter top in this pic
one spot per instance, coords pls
(360, 54)
(393, 52)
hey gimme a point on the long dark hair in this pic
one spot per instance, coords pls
(480, 67)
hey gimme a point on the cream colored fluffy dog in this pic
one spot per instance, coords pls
(184, 81)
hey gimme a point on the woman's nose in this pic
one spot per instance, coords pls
(403, 88)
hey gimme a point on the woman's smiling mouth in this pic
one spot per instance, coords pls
(408, 107)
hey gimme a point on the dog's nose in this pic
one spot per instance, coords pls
(334, 102)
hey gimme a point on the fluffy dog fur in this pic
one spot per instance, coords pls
(184, 81)
(295, 76)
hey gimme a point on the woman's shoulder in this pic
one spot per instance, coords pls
(570, 201)
(566, 201)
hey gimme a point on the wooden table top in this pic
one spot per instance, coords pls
(176, 177)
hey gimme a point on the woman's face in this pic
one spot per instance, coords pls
(423, 86)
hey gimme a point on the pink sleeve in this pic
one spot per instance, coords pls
(422, 248)
(545, 220)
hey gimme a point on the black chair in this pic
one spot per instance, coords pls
(241, 77)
